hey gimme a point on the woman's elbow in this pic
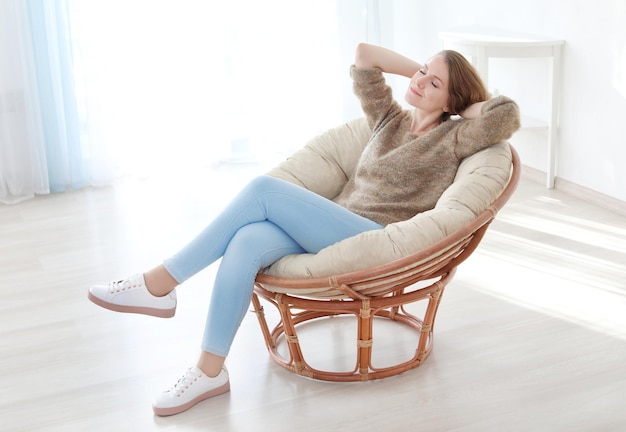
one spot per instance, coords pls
(362, 55)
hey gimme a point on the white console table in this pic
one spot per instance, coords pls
(482, 43)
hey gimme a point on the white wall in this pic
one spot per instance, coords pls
(592, 148)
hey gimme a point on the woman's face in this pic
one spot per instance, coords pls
(428, 90)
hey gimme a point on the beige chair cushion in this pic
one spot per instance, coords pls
(324, 166)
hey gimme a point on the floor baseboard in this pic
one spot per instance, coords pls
(577, 191)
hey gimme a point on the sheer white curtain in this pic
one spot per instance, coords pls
(90, 89)
(41, 150)
(23, 169)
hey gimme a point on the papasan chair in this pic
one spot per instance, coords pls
(377, 274)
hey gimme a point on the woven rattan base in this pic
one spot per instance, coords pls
(295, 311)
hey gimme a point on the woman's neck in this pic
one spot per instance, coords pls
(422, 122)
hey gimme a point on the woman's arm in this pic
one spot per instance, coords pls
(373, 56)
(497, 119)
(473, 111)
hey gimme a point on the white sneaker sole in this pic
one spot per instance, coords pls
(160, 313)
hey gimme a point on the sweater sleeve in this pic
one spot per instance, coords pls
(498, 121)
(375, 95)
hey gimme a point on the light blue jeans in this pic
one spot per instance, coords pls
(267, 220)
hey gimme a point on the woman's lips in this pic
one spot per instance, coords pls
(415, 91)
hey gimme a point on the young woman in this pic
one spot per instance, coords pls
(411, 159)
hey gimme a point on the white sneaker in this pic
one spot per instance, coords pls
(192, 388)
(131, 295)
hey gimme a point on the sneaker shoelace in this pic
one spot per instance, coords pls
(123, 285)
(186, 381)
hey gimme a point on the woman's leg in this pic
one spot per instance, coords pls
(252, 248)
(311, 220)
(159, 281)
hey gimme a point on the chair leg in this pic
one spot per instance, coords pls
(426, 332)
(260, 314)
(291, 337)
(365, 341)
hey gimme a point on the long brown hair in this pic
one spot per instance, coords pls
(465, 87)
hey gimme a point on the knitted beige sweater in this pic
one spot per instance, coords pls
(400, 174)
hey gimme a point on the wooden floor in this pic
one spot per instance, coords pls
(530, 336)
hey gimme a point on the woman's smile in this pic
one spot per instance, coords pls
(413, 90)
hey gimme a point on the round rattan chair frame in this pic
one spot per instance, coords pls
(381, 291)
